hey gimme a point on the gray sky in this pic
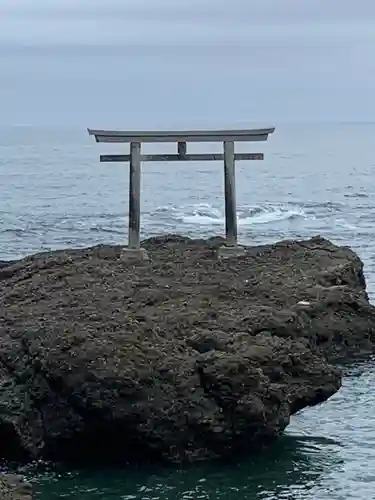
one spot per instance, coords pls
(286, 60)
(170, 21)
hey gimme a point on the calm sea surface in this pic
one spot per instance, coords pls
(308, 69)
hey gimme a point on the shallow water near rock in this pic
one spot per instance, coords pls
(322, 455)
(327, 452)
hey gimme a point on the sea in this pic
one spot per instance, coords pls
(306, 68)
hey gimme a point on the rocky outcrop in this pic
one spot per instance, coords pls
(182, 357)
(14, 487)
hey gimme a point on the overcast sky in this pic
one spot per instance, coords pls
(163, 21)
(273, 60)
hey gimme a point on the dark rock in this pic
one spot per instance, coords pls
(5, 263)
(14, 487)
(182, 357)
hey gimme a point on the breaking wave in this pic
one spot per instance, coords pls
(208, 215)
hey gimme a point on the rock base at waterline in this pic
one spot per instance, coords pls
(14, 487)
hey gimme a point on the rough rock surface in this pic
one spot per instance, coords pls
(182, 357)
(14, 487)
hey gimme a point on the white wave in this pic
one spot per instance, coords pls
(203, 220)
(206, 215)
(202, 214)
(265, 214)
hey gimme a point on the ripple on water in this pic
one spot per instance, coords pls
(349, 419)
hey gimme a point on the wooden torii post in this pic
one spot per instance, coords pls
(181, 138)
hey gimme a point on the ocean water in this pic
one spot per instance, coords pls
(306, 68)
